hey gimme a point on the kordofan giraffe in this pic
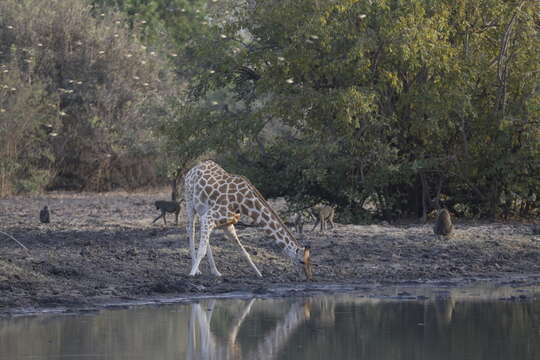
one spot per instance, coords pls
(219, 198)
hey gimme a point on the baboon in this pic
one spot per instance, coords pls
(443, 226)
(299, 223)
(295, 219)
(44, 216)
(300, 220)
(167, 207)
(324, 215)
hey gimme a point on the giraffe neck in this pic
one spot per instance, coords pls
(264, 215)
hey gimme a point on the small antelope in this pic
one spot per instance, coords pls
(167, 207)
(443, 226)
(324, 215)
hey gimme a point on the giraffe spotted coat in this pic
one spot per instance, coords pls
(219, 199)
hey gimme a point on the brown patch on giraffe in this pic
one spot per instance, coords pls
(244, 210)
(240, 198)
(223, 188)
(208, 190)
(249, 203)
(232, 187)
(254, 214)
(265, 216)
(214, 195)
(238, 181)
(202, 182)
(232, 198)
(222, 200)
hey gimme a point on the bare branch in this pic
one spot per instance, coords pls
(17, 241)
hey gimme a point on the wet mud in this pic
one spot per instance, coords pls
(103, 248)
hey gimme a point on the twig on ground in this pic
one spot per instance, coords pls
(17, 241)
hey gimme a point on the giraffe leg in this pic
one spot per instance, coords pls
(190, 229)
(206, 228)
(212, 263)
(230, 232)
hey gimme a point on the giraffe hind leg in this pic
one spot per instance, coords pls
(190, 229)
(206, 228)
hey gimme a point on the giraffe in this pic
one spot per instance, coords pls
(219, 199)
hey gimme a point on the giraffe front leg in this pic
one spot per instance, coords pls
(206, 229)
(212, 263)
(190, 229)
(231, 233)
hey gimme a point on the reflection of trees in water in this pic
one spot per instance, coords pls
(115, 333)
(441, 328)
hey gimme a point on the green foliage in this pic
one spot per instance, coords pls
(26, 138)
(96, 81)
(370, 105)
(346, 101)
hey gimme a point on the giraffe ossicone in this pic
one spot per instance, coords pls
(219, 199)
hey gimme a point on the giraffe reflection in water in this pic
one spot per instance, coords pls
(203, 344)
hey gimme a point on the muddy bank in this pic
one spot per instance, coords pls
(103, 247)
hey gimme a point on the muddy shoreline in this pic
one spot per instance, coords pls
(102, 249)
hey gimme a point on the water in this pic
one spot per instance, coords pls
(441, 324)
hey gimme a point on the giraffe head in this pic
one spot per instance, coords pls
(306, 262)
(302, 257)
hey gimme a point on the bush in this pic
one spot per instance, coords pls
(89, 80)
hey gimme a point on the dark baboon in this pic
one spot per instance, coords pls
(443, 226)
(300, 220)
(299, 223)
(324, 215)
(167, 207)
(44, 216)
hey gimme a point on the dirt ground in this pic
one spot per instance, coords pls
(103, 247)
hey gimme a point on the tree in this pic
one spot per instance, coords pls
(350, 102)
(96, 80)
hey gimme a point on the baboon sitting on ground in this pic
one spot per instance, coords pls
(324, 215)
(44, 215)
(300, 220)
(299, 223)
(443, 226)
(167, 207)
(295, 219)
